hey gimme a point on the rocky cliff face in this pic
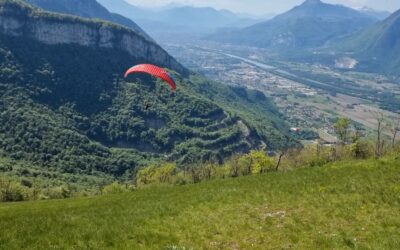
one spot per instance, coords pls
(19, 19)
(87, 9)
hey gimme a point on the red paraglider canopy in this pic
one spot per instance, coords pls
(154, 71)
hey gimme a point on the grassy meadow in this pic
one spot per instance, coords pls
(344, 205)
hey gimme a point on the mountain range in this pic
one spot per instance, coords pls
(308, 25)
(177, 22)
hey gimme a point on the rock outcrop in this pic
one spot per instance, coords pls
(87, 9)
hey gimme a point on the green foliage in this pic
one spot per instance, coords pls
(258, 111)
(306, 134)
(115, 188)
(13, 191)
(73, 114)
(208, 171)
(253, 163)
(310, 156)
(261, 163)
(362, 150)
(56, 193)
(245, 164)
(256, 162)
(342, 127)
(156, 174)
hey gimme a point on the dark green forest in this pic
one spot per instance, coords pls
(67, 109)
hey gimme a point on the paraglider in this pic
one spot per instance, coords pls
(154, 71)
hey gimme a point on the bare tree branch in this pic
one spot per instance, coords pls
(379, 142)
(395, 130)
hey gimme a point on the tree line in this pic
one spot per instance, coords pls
(351, 145)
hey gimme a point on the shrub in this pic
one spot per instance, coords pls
(145, 176)
(115, 188)
(208, 171)
(56, 193)
(361, 150)
(312, 155)
(153, 174)
(180, 179)
(13, 191)
(164, 173)
(256, 162)
(245, 164)
(222, 171)
(261, 162)
(26, 183)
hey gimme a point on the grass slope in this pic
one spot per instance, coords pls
(340, 206)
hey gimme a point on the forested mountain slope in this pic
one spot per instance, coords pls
(65, 106)
(377, 47)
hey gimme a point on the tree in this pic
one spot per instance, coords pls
(156, 174)
(361, 150)
(233, 165)
(283, 152)
(145, 176)
(342, 127)
(245, 163)
(164, 173)
(208, 171)
(195, 174)
(261, 162)
(278, 163)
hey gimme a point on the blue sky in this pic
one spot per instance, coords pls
(260, 7)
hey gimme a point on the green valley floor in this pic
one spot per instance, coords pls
(345, 205)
